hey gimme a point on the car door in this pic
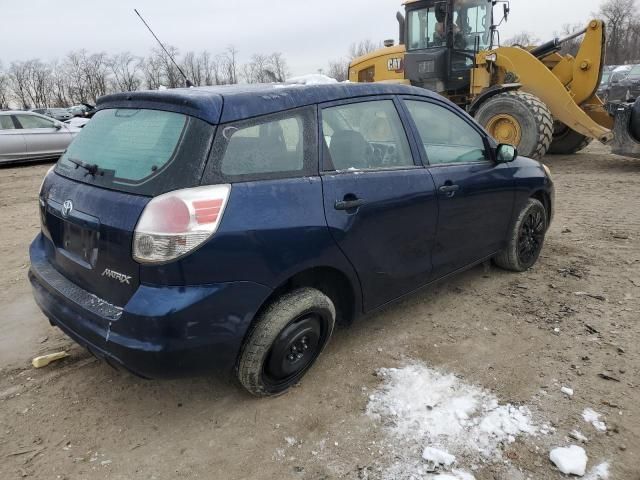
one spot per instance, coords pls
(475, 194)
(44, 137)
(380, 204)
(12, 144)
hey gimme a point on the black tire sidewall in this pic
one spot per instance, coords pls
(266, 329)
(509, 259)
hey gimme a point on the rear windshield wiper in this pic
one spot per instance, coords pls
(91, 168)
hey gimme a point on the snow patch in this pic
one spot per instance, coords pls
(438, 457)
(599, 472)
(311, 79)
(570, 460)
(593, 417)
(423, 407)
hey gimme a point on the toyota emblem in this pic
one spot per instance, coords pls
(67, 206)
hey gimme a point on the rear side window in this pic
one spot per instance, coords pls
(33, 121)
(6, 123)
(139, 151)
(365, 136)
(274, 146)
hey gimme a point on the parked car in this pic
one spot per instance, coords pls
(60, 114)
(625, 87)
(80, 110)
(189, 230)
(603, 88)
(78, 122)
(28, 136)
(611, 92)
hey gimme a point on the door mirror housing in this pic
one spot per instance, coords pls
(57, 126)
(506, 153)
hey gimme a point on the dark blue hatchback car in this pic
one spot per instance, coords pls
(231, 227)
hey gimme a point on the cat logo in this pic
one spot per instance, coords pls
(395, 65)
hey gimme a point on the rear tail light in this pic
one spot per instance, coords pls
(176, 223)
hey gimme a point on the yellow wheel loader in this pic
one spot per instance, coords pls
(532, 97)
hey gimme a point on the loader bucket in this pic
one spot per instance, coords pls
(627, 129)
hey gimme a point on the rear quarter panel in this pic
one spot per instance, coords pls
(270, 231)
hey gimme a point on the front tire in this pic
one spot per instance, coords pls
(520, 119)
(526, 238)
(567, 141)
(285, 341)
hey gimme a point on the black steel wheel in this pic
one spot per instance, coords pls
(285, 341)
(526, 238)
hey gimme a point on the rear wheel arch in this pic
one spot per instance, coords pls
(329, 280)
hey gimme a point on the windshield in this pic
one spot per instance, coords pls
(605, 78)
(138, 150)
(471, 26)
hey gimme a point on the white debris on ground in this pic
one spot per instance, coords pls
(576, 434)
(599, 472)
(570, 460)
(593, 417)
(311, 79)
(567, 391)
(425, 410)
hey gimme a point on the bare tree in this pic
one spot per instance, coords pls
(5, 89)
(363, 47)
(229, 65)
(619, 15)
(523, 39)
(277, 65)
(125, 70)
(339, 69)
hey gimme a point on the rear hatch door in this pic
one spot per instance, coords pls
(92, 201)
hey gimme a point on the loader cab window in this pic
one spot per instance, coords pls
(472, 24)
(425, 31)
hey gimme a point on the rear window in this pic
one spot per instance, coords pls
(282, 145)
(139, 151)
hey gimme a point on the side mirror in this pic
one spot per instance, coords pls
(507, 10)
(506, 153)
(57, 126)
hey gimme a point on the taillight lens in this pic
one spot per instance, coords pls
(176, 223)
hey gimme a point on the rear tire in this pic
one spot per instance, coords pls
(526, 238)
(520, 119)
(567, 141)
(285, 341)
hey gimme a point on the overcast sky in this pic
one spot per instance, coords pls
(307, 33)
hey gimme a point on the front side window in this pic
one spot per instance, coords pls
(365, 136)
(33, 121)
(447, 138)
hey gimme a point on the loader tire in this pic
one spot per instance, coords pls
(520, 119)
(567, 141)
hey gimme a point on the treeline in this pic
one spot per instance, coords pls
(82, 77)
(622, 21)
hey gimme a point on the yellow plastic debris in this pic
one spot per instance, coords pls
(45, 360)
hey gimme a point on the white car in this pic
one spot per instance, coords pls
(28, 136)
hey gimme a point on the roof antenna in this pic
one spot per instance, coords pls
(186, 80)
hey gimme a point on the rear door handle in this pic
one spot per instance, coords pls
(449, 190)
(349, 204)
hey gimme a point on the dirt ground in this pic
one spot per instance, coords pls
(521, 336)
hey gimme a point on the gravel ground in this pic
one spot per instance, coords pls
(519, 336)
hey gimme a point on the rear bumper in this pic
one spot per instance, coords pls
(162, 331)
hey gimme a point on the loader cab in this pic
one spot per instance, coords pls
(442, 38)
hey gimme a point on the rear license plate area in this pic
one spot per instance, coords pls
(81, 243)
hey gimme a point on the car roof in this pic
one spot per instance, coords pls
(222, 104)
